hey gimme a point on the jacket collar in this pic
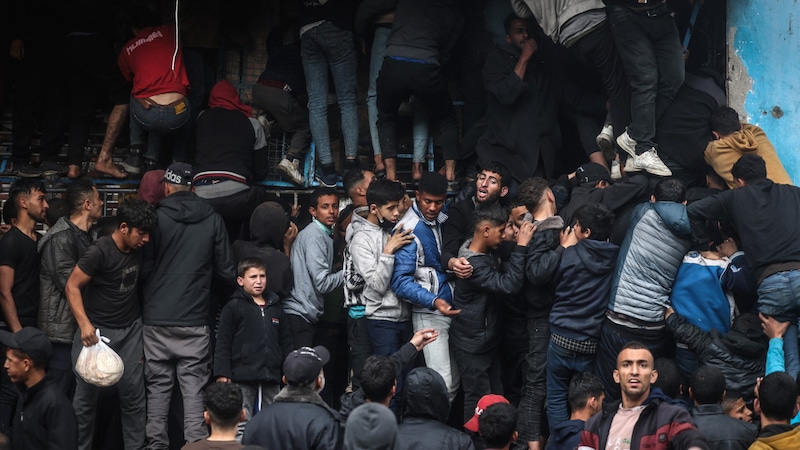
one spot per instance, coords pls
(438, 221)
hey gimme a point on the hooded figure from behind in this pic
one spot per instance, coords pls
(427, 406)
(268, 224)
(371, 426)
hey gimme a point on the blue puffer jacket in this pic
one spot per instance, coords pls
(649, 260)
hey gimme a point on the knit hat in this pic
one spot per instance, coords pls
(303, 365)
(31, 341)
(371, 426)
(151, 187)
(485, 402)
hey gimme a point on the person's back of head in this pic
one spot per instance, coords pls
(137, 213)
(777, 397)
(378, 378)
(491, 213)
(597, 218)
(432, 183)
(223, 403)
(532, 193)
(498, 425)
(707, 385)
(425, 395)
(57, 208)
(78, 191)
(670, 190)
(669, 378)
(351, 179)
(371, 426)
(750, 168)
(725, 121)
(582, 389)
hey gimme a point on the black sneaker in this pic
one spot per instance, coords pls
(50, 168)
(327, 178)
(26, 171)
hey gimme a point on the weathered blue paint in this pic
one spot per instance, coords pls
(764, 72)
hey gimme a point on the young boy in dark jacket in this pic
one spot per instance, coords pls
(584, 282)
(252, 341)
(475, 334)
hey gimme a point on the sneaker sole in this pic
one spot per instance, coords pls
(288, 175)
(623, 145)
(28, 174)
(660, 173)
(322, 183)
(606, 144)
(135, 170)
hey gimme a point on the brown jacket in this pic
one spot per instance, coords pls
(723, 153)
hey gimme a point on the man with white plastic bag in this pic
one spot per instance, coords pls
(111, 267)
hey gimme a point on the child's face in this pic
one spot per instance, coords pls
(494, 235)
(511, 230)
(388, 212)
(518, 213)
(254, 281)
(326, 210)
(580, 232)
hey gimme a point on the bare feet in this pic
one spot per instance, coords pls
(379, 166)
(74, 171)
(450, 169)
(416, 171)
(106, 166)
(391, 168)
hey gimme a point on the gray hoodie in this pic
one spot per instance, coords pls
(365, 243)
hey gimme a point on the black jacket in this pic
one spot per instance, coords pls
(252, 342)
(723, 432)
(298, 420)
(742, 358)
(628, 191)
(476, 328)
(584, 283)
(566, 435)
(426, 30)
(661, 426)
(544, 258)
(268, 224)
(523, 114)
(188, 248)
(226, 142)
(424, 418)
(457, 228)
(44, 419)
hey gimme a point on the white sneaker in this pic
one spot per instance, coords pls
(630, 166)
(616, 174)
(626, 143)
(650, 162)
(605, 141)
(291, 170)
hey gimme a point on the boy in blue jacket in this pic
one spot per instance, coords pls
(584, 282)
(252, 341)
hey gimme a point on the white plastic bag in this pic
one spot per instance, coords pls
(99, 364)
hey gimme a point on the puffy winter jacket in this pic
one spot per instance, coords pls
(723, 432)
(60, 248)
(649, 259)
(426, 409)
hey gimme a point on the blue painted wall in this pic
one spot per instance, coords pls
(764, 71)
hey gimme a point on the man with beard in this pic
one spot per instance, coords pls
(522, 105)
(644, 418)
(491, 184)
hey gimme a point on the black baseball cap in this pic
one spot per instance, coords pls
(592, 172)
(303, 365)
(179, 173)
(30, 340)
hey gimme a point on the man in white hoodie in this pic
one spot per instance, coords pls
(369, 264)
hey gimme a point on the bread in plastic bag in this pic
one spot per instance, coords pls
(99, 364)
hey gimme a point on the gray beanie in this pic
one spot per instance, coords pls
(371, 426)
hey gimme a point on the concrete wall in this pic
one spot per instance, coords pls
(764, 72)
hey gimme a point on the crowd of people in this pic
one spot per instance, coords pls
(647, 298)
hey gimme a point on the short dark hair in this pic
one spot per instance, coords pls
(498, 168)
(531, 193)
(669, 377)
(249, 263)
(708, 385)
(598, 218)
(509, 20)
(492, 213)
(24, 186)
(19, 353)
(351, 179)
(56, 209)
(224, 403)
(582, 387)
(750, 168)
(321, 191)
(433, 183)
(497, 424)
(725, 120)
(137, 213)
(670, 190)
(777, 396)
(383, 191)
(77, 192)
(377, 378)
(635, 345)
(9, 211)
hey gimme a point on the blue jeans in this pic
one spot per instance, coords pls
(562, 364)
(322, 47)
(387, 337)
(420, 120)
(651, 52)
(155, 122)
(779, 296)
